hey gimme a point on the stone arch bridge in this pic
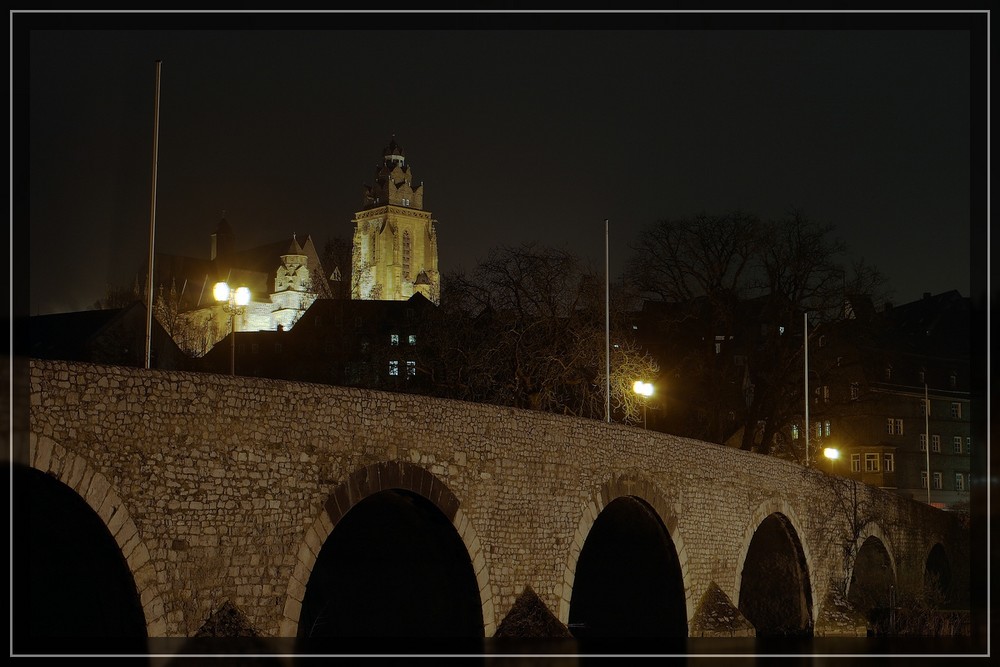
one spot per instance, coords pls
(251, 495)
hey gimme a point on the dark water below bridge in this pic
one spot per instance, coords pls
(908, 651)
(501, 653)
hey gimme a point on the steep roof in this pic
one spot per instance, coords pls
(254, 267)
(393, 148)
(114, 336)
(935, 325)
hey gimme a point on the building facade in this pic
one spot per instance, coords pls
(284, 278)
(872, 385)
(357, 343)
(394, 253)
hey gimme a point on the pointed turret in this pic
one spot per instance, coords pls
(223, 239)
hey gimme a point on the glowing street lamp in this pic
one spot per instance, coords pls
(644, 389)
(234, 301)
(833, 454)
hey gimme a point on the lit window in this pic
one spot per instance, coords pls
(393, 339)
(937, 482)
(781, 331)
(393, 367)
(871, 462)
(888, 462)
(819, 429)
(923, 442)
(411, 369)
(795, 431)
(957, 443)
(959, 481)
(956, 410)
(412, 339)
(826, 429)
(936, 444)
(855, 462)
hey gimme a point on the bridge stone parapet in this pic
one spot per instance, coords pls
(222, 489)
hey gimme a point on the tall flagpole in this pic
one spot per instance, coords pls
(152, 221)
(805, 375)
(607, 330)
(927, 440)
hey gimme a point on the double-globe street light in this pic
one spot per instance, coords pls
(645, 390)
(233, 301)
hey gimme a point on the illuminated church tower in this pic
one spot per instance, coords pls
(394, 254)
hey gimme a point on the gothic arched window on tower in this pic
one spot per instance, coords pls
(406, 255)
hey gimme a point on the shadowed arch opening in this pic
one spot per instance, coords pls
(775, 594)
(872, 582)
(628, 580)
(937, 578)
(73, 589)
(393, 566)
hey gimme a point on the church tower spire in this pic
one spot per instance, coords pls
(395, 239)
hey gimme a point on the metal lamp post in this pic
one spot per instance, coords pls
(644, 389)
(233, 301)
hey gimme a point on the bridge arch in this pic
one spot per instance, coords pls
(93, 488)
(872, 572)
(635, 488)
(776, 516)
(937, 572)
(875, 530)
(363, 484)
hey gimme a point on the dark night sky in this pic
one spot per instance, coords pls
(519, 134)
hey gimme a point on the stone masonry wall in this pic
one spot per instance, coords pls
(223, 488)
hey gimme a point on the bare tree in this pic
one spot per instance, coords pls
(118, 296)
(744, 284)
(524, 329)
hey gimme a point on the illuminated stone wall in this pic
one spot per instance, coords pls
(222, 489)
